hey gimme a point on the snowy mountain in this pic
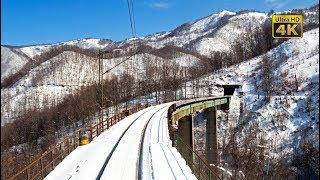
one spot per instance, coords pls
(239, 26)
(291, 116)
(277, 106)
(69, 71)
(11, 62)
(88, 43)
(31, 75)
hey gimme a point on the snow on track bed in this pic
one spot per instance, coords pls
(116, 152)
(86, 161)
(160, 159)
(124, 161)
(115, 148)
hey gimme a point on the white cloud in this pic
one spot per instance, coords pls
(277, 4)
(160, 5)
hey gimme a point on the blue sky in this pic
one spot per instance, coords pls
(26, 22)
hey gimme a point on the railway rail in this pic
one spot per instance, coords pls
(114, 148)
(137, 147)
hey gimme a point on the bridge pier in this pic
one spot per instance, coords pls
(185, 131)
(181, 115)
(211, 135)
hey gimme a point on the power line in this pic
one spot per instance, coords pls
(120, 63)
(134, 20)
(133, 31)
(133, 26)
(131, 17)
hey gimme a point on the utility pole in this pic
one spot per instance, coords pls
(185, 83)
(100, 56)
(101, 65)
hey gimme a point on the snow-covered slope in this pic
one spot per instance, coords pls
(188, 32)
(11, 62)
(90, 43)
(33, 51)
(66, 73)
(236, 29)
(292, 114)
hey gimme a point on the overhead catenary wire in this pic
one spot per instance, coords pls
(131, 17)
(133, 31)
(133, 27)
(119, 63)
(134, 20)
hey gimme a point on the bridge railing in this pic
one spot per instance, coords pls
(47, 161)
(98, 128)
(200, 168)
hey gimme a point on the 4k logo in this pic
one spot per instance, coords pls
(287, 26)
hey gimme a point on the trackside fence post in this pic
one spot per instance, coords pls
(97, 130)
(41, 168)
(199, 169)
(52, 159)
(28, 173)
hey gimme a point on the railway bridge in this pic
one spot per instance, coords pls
(152, 143)
(182, 122)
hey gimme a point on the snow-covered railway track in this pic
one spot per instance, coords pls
(143, 135)
(127, 153)
(163, 126)
(162, 132)
(115, 146)
(159, 157)
(138, 147)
